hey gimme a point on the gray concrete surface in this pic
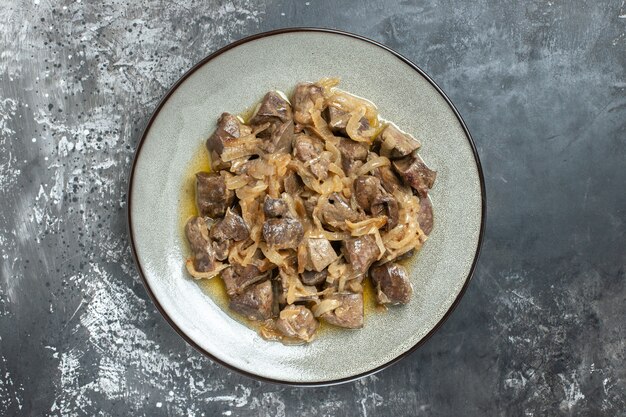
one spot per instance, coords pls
(541, 330)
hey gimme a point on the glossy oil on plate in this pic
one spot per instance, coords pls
(231, 80)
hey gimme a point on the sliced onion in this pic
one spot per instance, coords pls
(366, 227)
(204, 275)
(249, 192)
(325, 306)
(236, 181)
(376, 162)
(260, 169)
(272, 254)
(381, 245)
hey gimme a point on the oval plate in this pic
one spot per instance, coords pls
(231, 80)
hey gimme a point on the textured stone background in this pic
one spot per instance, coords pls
(541, 330)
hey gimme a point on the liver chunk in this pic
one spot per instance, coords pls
(353, 154)
(310, 150)
(276, 111)
(228, 128)
(275, 207)
(425, 216)
(336, 211)
(415, 173)
(307, 148)
(212, 196)
(313, 277)
(304, 97)
(197, 233)
(388, 179)
(273, 108)
(255, 303)
(385, 205)
(397, 144)
(231, 227)
(392, 284)
(349, 314)
(338, 120)
(360, 252)
(320, 254)
(283, 233)
(293, 184)
(237, 278)
(298, 322)
(366, 189)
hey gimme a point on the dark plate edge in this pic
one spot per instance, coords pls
(278, 32)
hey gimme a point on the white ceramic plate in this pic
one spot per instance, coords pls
(231, 80)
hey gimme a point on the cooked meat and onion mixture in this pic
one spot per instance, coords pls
(307, 199)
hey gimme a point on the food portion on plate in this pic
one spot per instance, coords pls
(306, 199)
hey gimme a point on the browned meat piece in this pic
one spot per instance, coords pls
(338, 120)
(216, 162)
(397, 144)
(309, 205)
(256, 303)
(277, 137)
(293, 184)
(282, 137)
(405, 255)
(352, 150)
(304, 97)
(275, 207)
(388, 179)
(307, 148)
(366, 189)
(231, 227)
(313, 277)
(353, 154)
(283, 233)
(320, 254)
(212, 196)
(385, 205)
(360, 252)
(415, 173)
(297, 322)
(273, 108)
(336, 211)
(228, 128)
(197, 233)
(301, 293)
(425, 216)
(319, 167)
(349, 314)
(260, 261)
(392, 284)
(237, 278)
(221, 249)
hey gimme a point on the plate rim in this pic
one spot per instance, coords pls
(142, 140)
